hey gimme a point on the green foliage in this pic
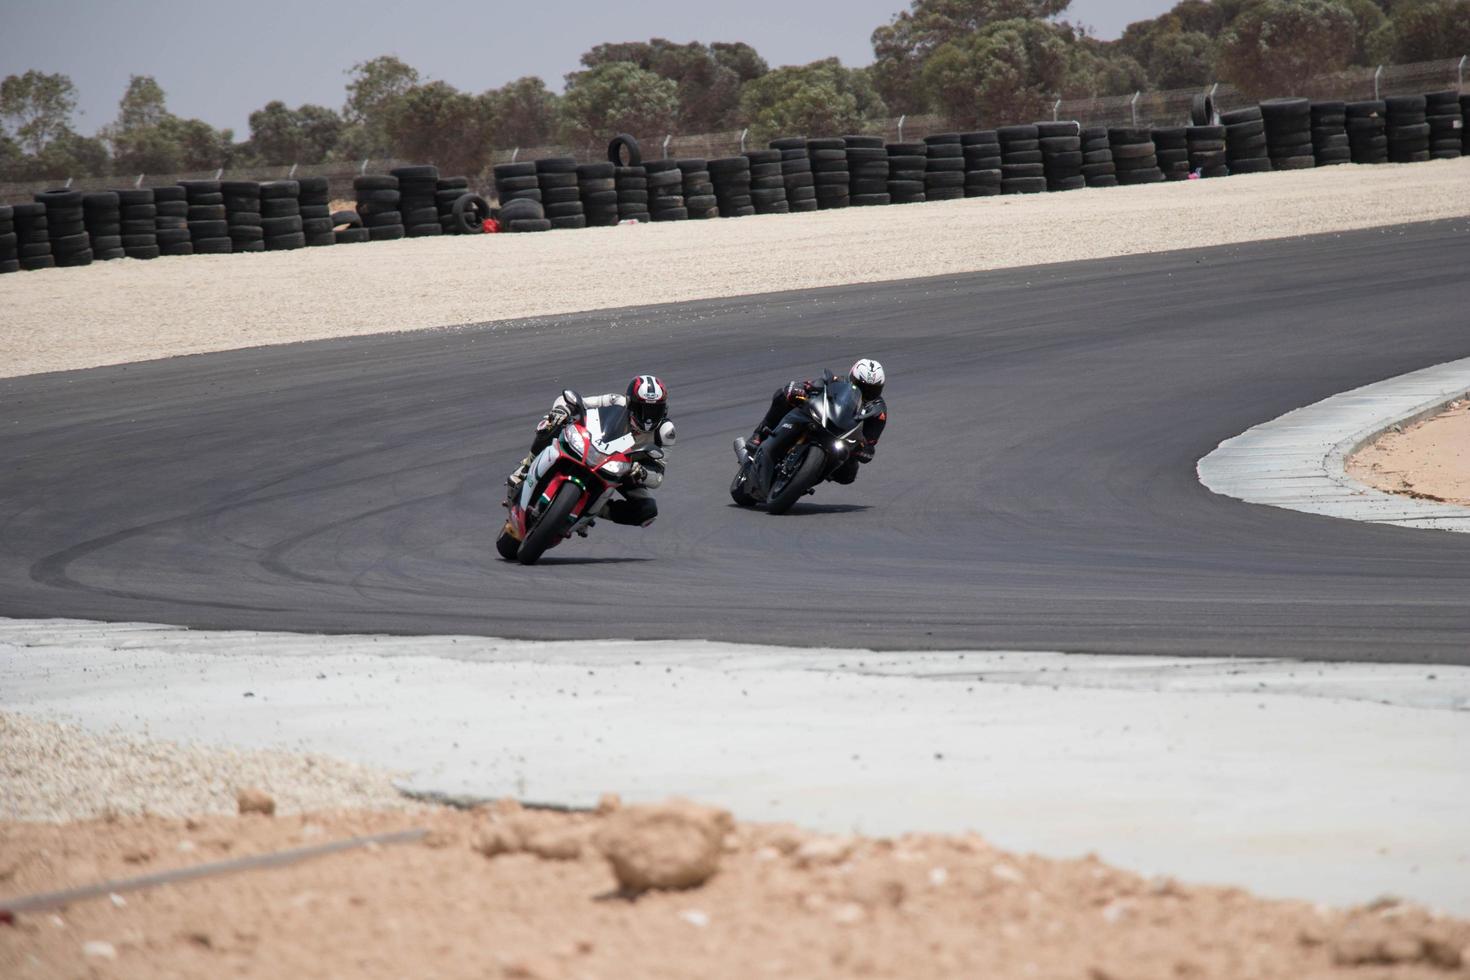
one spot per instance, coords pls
(524, 112)
(1010, 70)
(1275, 46)
(810, 100)
(36, 108)
(1424, 30)
(147, 138)
(617, 96)
(372, 90)
(709, 78)
(142, 103)
(279, 135)
(436, 123)
(902, 47)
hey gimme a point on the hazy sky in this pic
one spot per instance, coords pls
(220, 60)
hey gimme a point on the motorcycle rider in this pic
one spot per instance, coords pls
(642, 411)
(772, 437)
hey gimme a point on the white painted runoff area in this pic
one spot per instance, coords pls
(1332, 782)
(1298, 461)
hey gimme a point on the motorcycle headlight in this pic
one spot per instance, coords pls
(616, 468)
(572, 439)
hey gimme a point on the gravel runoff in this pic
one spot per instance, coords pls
(128, 310)
(1427, 460)
(56, 772)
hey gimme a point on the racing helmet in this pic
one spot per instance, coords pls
(648, 402)
(867, 375)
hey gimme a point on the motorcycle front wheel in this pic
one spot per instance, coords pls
(808, 472)
(552, 525)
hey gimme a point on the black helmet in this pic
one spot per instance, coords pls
(648, 402)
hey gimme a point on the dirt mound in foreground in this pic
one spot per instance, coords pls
(506, 892)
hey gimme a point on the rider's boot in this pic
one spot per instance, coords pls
(514, 481)
(745, 448)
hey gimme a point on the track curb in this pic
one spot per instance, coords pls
(1299, 460)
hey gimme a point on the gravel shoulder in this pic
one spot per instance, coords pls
(126, 310)
(1429, 460)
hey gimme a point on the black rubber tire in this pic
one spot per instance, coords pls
(470, 213)
(616, 147)
(386, 233)
(348, 218)
(808, 472)
(350, 236)
(506, 545)
(552, 525)
(737, 493)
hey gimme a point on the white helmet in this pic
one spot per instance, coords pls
(867, 374)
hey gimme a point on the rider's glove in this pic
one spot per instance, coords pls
(637, 475)
(798, 391)
(864, 453)
(556, 418)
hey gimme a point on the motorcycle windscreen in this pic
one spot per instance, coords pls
(843, 403)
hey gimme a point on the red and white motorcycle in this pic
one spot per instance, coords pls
(567, 486)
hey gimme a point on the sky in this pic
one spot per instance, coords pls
(219, 61)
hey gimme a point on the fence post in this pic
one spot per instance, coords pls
(217, 175)
(1460, 70)
(743, 134)
(667, 140)
(1133, 108)
(67, 185)
(362, 169)
(291, 174)
(900, 126)
(1055, 108)
(139, 181)
(1376, 76)
(515, 153)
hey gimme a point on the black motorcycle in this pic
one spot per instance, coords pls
(827, 432)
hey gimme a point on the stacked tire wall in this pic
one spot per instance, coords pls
(243, 215)
(982, 158)
(666, 190)
(1329, 134)
(172, 220)
(280, 215)
(208, 229)
(1245, 141)
(867, 171)
(314, 197)
(907, 166)
(66, 227)
(9, 241)
(1061, 155)
(102, 213)
(1206, 149)
(1407, 129)
(377, 204)
(416, 206)
(1288, 126)
(598, 190)
(1446, 125)
(1135, 156)
(139, 223)
(796, 174)
(33, 239)
(1021, 168)
(731, 179)
(768, 182)
(1098, 168)
(1171, 150)
(1366, 131)
(829, 171)
(560, 197)
(944, 167)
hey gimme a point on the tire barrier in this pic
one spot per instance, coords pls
(1135, 156)
(377, 204)
(1446, 125)
(732, 180)
(9, 241)
(698, 189)
(623, 151)
(666, 189)
(1407, 128)
(1021, 167)
(102, 214)
(243, 215)
(1171, 149)
(1245, 141)
(867, 171)
(448, 190)
(796, 174)
(172, 221)
(139, 223)
(33, 240)
(1465, 125)
(315, 200)
(829, 172)
(906, 171)
(557, 178)
(1202, 110)
(524, 215)
(1061, 155)
(1329, 134)
(470, 212)
(632, 187)
(66, 227)
(280, 215)
(1367, 138)
(1288, 125)
(517, 182)
(768, 182)
(1206, 147)
(1098, 168)
(205, 211)
(944, 167)
(598, 191)
(982, 157)
(416, 206)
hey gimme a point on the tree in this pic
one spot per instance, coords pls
(524, 112)
(1008, 72)
(1181, 59)
(373, 89)
(436, 123)
(1100, 68)
(1275, 46)
(70, 155)
(810, 100)
(902, 47)
(1426, 30)
(37, 108)
(142, 104)
(279, 135)
(709, 78)
(615, 97)
(147, 138)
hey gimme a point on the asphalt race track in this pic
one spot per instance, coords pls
(1035, 489)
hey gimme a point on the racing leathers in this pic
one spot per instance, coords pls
(607, 420)
(772, 438)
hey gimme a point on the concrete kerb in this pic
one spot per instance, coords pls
(1299, 461)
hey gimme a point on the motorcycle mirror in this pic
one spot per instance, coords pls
(574, 402)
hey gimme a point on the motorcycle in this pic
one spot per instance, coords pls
(830, 425)
(567, 485)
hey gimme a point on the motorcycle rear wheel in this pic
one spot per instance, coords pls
(552, 526)
(808, 472)
(507, 546)
(737, 489)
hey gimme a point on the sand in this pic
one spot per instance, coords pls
(129, 310)
(503, 892)
(1429, 460)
